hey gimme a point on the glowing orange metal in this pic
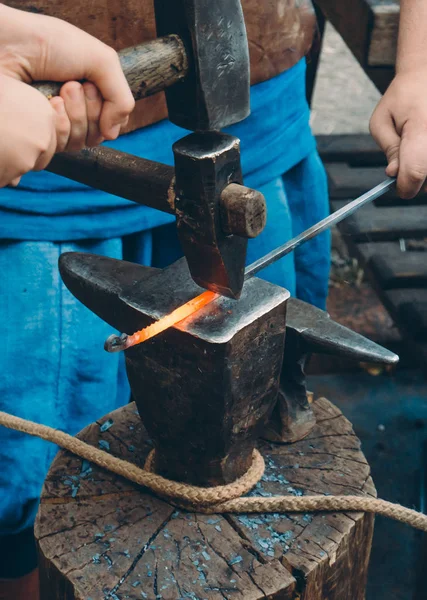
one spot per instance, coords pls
(181, 313)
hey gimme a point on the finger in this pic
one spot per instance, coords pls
(392, 169)
(383, 130)
(75, 104)
(107, 75)
(47, 155)
(93, 61)
(93, 110)
(15, 182)
(412, 160)
(62, 123)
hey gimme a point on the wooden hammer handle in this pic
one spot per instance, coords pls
(243, 210)
(149, 68)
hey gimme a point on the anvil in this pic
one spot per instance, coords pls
(206, 389)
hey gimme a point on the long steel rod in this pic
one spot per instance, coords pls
(310, 233)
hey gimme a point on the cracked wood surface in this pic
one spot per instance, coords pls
(100, 537)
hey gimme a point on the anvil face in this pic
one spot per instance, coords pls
(205, 389)
(219, 321)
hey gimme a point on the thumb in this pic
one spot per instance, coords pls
(383, 130)
(15, 182)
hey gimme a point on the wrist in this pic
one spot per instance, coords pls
(411, 64)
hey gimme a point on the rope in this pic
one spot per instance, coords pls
(220, 499)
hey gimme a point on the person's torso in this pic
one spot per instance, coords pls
(280, 33)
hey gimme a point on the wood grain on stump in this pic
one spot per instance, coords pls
(100, 537)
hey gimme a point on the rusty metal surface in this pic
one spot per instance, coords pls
(215, 94)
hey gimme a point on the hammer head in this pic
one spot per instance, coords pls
(215, 94)
(205, 164)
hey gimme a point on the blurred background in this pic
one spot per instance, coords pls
(378, 284)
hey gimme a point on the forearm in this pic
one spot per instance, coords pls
(412, 46)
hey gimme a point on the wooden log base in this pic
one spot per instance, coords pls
(101, 538)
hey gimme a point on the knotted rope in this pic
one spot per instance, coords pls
(220, 499)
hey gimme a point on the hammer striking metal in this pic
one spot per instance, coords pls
(213, 221)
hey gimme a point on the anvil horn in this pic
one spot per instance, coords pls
(318, 333)
(311, 330)
(101, 284)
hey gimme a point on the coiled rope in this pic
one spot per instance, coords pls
(220, 499)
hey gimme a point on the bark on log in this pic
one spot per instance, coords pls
(100, 537)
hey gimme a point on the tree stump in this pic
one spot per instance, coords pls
(100, 537)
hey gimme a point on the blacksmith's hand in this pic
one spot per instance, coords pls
(35, 47)
(32, 129)
(399, 126)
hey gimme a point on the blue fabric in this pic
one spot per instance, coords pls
(274, 138)
(53, 374)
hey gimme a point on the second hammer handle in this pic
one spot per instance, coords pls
(149, 68)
